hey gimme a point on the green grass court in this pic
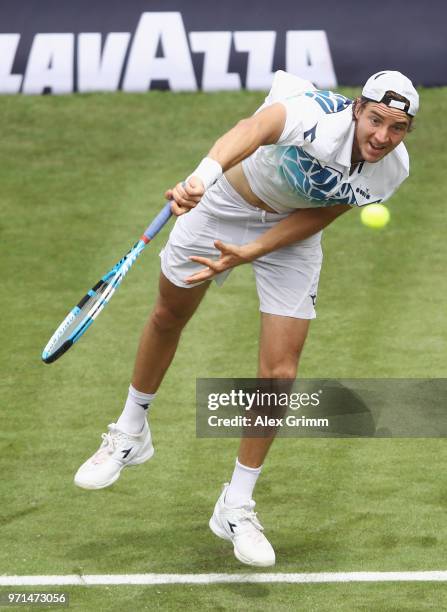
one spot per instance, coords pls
(80, 178)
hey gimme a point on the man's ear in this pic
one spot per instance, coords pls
(357, 108)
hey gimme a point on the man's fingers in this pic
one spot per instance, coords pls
(219, 245)
(187, 201)
(226, 249)
(178, 210)
(194, 186)
(229, 257)
(210, 263)
(186, 196)
(211, 269)
(193, 190)
(180, 201)
(223, 246)
(200, 276)
(180, 195)
(194, 193)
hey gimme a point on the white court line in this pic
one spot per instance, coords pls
(151, 579)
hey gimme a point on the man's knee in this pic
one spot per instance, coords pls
(278, 370)
(167, 318)
(175, 305)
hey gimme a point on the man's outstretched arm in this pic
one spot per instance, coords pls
(299, 225)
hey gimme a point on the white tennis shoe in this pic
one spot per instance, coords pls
(118, 450)
(242, 527)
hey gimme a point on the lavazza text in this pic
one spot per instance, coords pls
(159, 50)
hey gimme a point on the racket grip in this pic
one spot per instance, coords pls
(160, 220)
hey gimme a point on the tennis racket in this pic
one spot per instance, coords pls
(77, 322)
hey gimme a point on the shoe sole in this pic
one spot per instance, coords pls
(137, 461)
(220, 533)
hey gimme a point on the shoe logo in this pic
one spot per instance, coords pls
(232, 526)
(126, 452)
(313, 298)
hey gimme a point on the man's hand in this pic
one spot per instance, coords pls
(185, 195)
(297, 226)
(231, 255)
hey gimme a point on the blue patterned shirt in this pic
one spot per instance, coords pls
(310, 164)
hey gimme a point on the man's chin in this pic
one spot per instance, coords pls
(373, 158)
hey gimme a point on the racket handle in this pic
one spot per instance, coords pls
(160, 220)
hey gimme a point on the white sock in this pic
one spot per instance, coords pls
(134, 414)
(243, 481)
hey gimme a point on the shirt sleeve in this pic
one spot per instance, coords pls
(396, 168)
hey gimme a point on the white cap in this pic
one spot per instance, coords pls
(377, 86)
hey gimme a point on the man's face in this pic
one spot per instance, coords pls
(379, 129)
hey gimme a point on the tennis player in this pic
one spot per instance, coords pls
(263, 194)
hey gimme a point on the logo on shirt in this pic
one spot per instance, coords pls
(310, 180)
(309, 135)
(364, 191)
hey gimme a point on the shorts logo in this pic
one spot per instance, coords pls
(313, 298)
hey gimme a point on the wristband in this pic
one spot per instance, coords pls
(208, 171)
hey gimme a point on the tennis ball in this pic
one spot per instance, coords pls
(375, 215)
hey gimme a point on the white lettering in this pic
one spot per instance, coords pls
(98, 72)
(224, 399)
(308, 55)
(266, 421)
(250, 399)
(9, 83)
(236, 421)
(50, 64)
(216, 46)
(160, 51)
(167, 30)
(260, 47)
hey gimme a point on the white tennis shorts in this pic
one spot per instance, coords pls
(286, 279)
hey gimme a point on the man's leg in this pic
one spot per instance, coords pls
(281, 343)
(282, 340)
(128, 442)
(158, 344)
(161, 334)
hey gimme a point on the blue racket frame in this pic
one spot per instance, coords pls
(112, 279)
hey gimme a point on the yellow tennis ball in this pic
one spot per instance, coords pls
(375, 215)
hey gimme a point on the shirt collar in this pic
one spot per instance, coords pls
(344, 152)
(336, 135)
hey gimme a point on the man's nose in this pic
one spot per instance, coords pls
(381, 134)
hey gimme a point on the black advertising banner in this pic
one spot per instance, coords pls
(57, 46)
